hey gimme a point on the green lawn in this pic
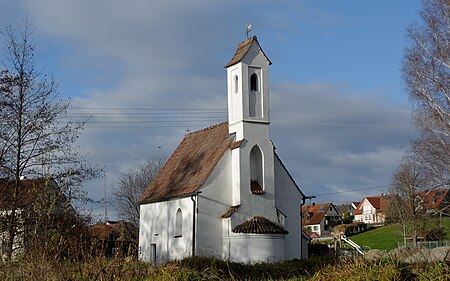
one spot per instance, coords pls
(383, 238)
(446, 225)
(386, 237)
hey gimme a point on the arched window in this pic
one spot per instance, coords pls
(256, 171)
(254, 82)
(236, 84)
(178, 223)
(255, 97)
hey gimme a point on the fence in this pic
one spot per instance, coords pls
(425, 244)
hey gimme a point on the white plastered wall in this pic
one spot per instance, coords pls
(157, 226)
(288, 200)
(255, 248)
(213, 202)
(254, 204)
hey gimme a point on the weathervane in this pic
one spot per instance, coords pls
(249, 28)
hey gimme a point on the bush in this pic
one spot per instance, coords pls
(350, 229)
(227, 270)
(436, 234)
(318, 249)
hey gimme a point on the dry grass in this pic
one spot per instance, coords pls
(98, 268)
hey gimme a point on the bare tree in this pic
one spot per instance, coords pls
(35, 138)
(406, 209)
(131, 185)
(426, 72)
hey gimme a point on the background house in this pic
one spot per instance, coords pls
(40, 208)
(436, 201)
(114, 237)
(224, 192)
(347, 211)
(372, 209)
(320, 218)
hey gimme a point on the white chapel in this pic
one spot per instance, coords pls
(224, 192)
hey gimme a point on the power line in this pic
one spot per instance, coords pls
(351, 190)
(148, 109)
(143, 116)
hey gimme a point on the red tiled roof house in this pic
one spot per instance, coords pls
(224, 192)
(320, 218)
(372, 209)
(435, 201)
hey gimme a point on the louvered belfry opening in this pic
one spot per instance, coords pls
(255, 187)
(256, 171)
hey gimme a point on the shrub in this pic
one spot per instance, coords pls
(318, 249)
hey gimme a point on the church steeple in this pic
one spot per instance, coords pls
(248, 118)
(248, 87)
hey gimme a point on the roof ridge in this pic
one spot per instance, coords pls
(208, 128)
(242, 50)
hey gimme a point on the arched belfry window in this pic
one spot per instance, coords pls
(236, 84)
(256, 171)
(254, 82)
(255, 97)
(178, 223)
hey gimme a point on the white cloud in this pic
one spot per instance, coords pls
(170, 54)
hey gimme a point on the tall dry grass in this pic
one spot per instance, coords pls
(37, 266)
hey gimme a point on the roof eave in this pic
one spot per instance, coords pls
(168, 198)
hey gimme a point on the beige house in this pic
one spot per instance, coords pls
(372, 209)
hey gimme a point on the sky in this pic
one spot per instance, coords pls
(143, 73)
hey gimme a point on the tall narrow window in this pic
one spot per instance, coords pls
(178, 223)
(255, 97)
(256, 171)
(236, 84)
(254, 82)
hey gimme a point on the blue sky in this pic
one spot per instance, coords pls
(340, 119)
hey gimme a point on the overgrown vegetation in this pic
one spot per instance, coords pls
(36, 267)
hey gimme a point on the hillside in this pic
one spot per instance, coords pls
(387, 237)
(383, 238)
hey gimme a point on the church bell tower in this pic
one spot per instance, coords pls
(248, 119)
(248, 88)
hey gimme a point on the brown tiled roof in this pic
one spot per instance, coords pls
(236, 144)
(190, 164)
(255, 187)
(259, 225)
(314, 212)
(242, 50)
(380, 203)
(343, 208)
(27, 192)
(119, 229)
(435, 198)
(230, 211)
